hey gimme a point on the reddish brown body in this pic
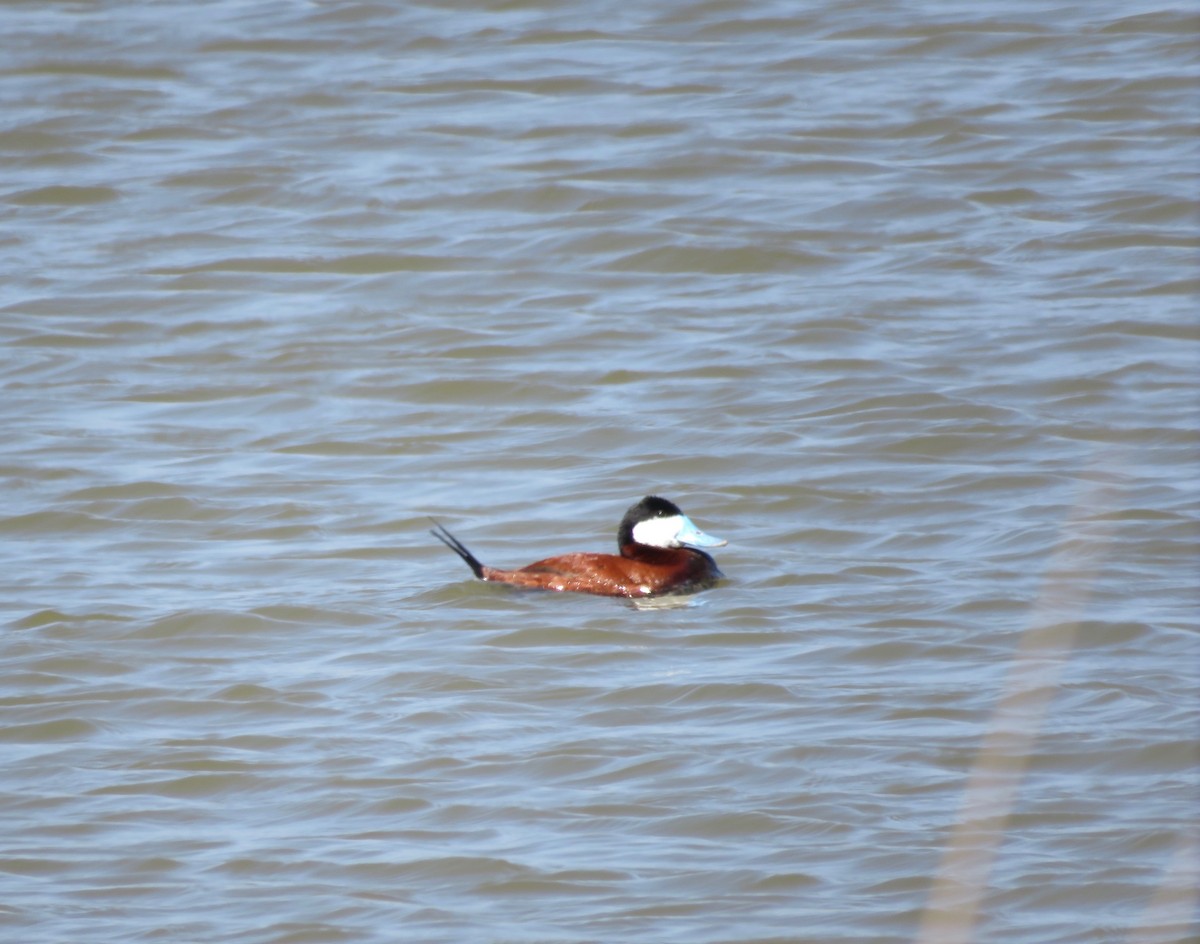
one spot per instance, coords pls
(638, 572)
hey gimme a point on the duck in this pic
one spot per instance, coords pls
(660, 554)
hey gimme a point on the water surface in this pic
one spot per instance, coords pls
(899, 299)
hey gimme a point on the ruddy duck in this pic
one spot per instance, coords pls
(659, 554)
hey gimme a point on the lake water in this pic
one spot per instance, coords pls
(900, 299)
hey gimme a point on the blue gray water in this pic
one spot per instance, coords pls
(900, 299)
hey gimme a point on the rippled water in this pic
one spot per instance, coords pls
(899, 299)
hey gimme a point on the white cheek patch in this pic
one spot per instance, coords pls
(658, 532)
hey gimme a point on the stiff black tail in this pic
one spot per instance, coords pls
(457, 547)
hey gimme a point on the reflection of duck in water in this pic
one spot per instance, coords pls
(659, 554)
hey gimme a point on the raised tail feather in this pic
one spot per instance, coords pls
(457, 547)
